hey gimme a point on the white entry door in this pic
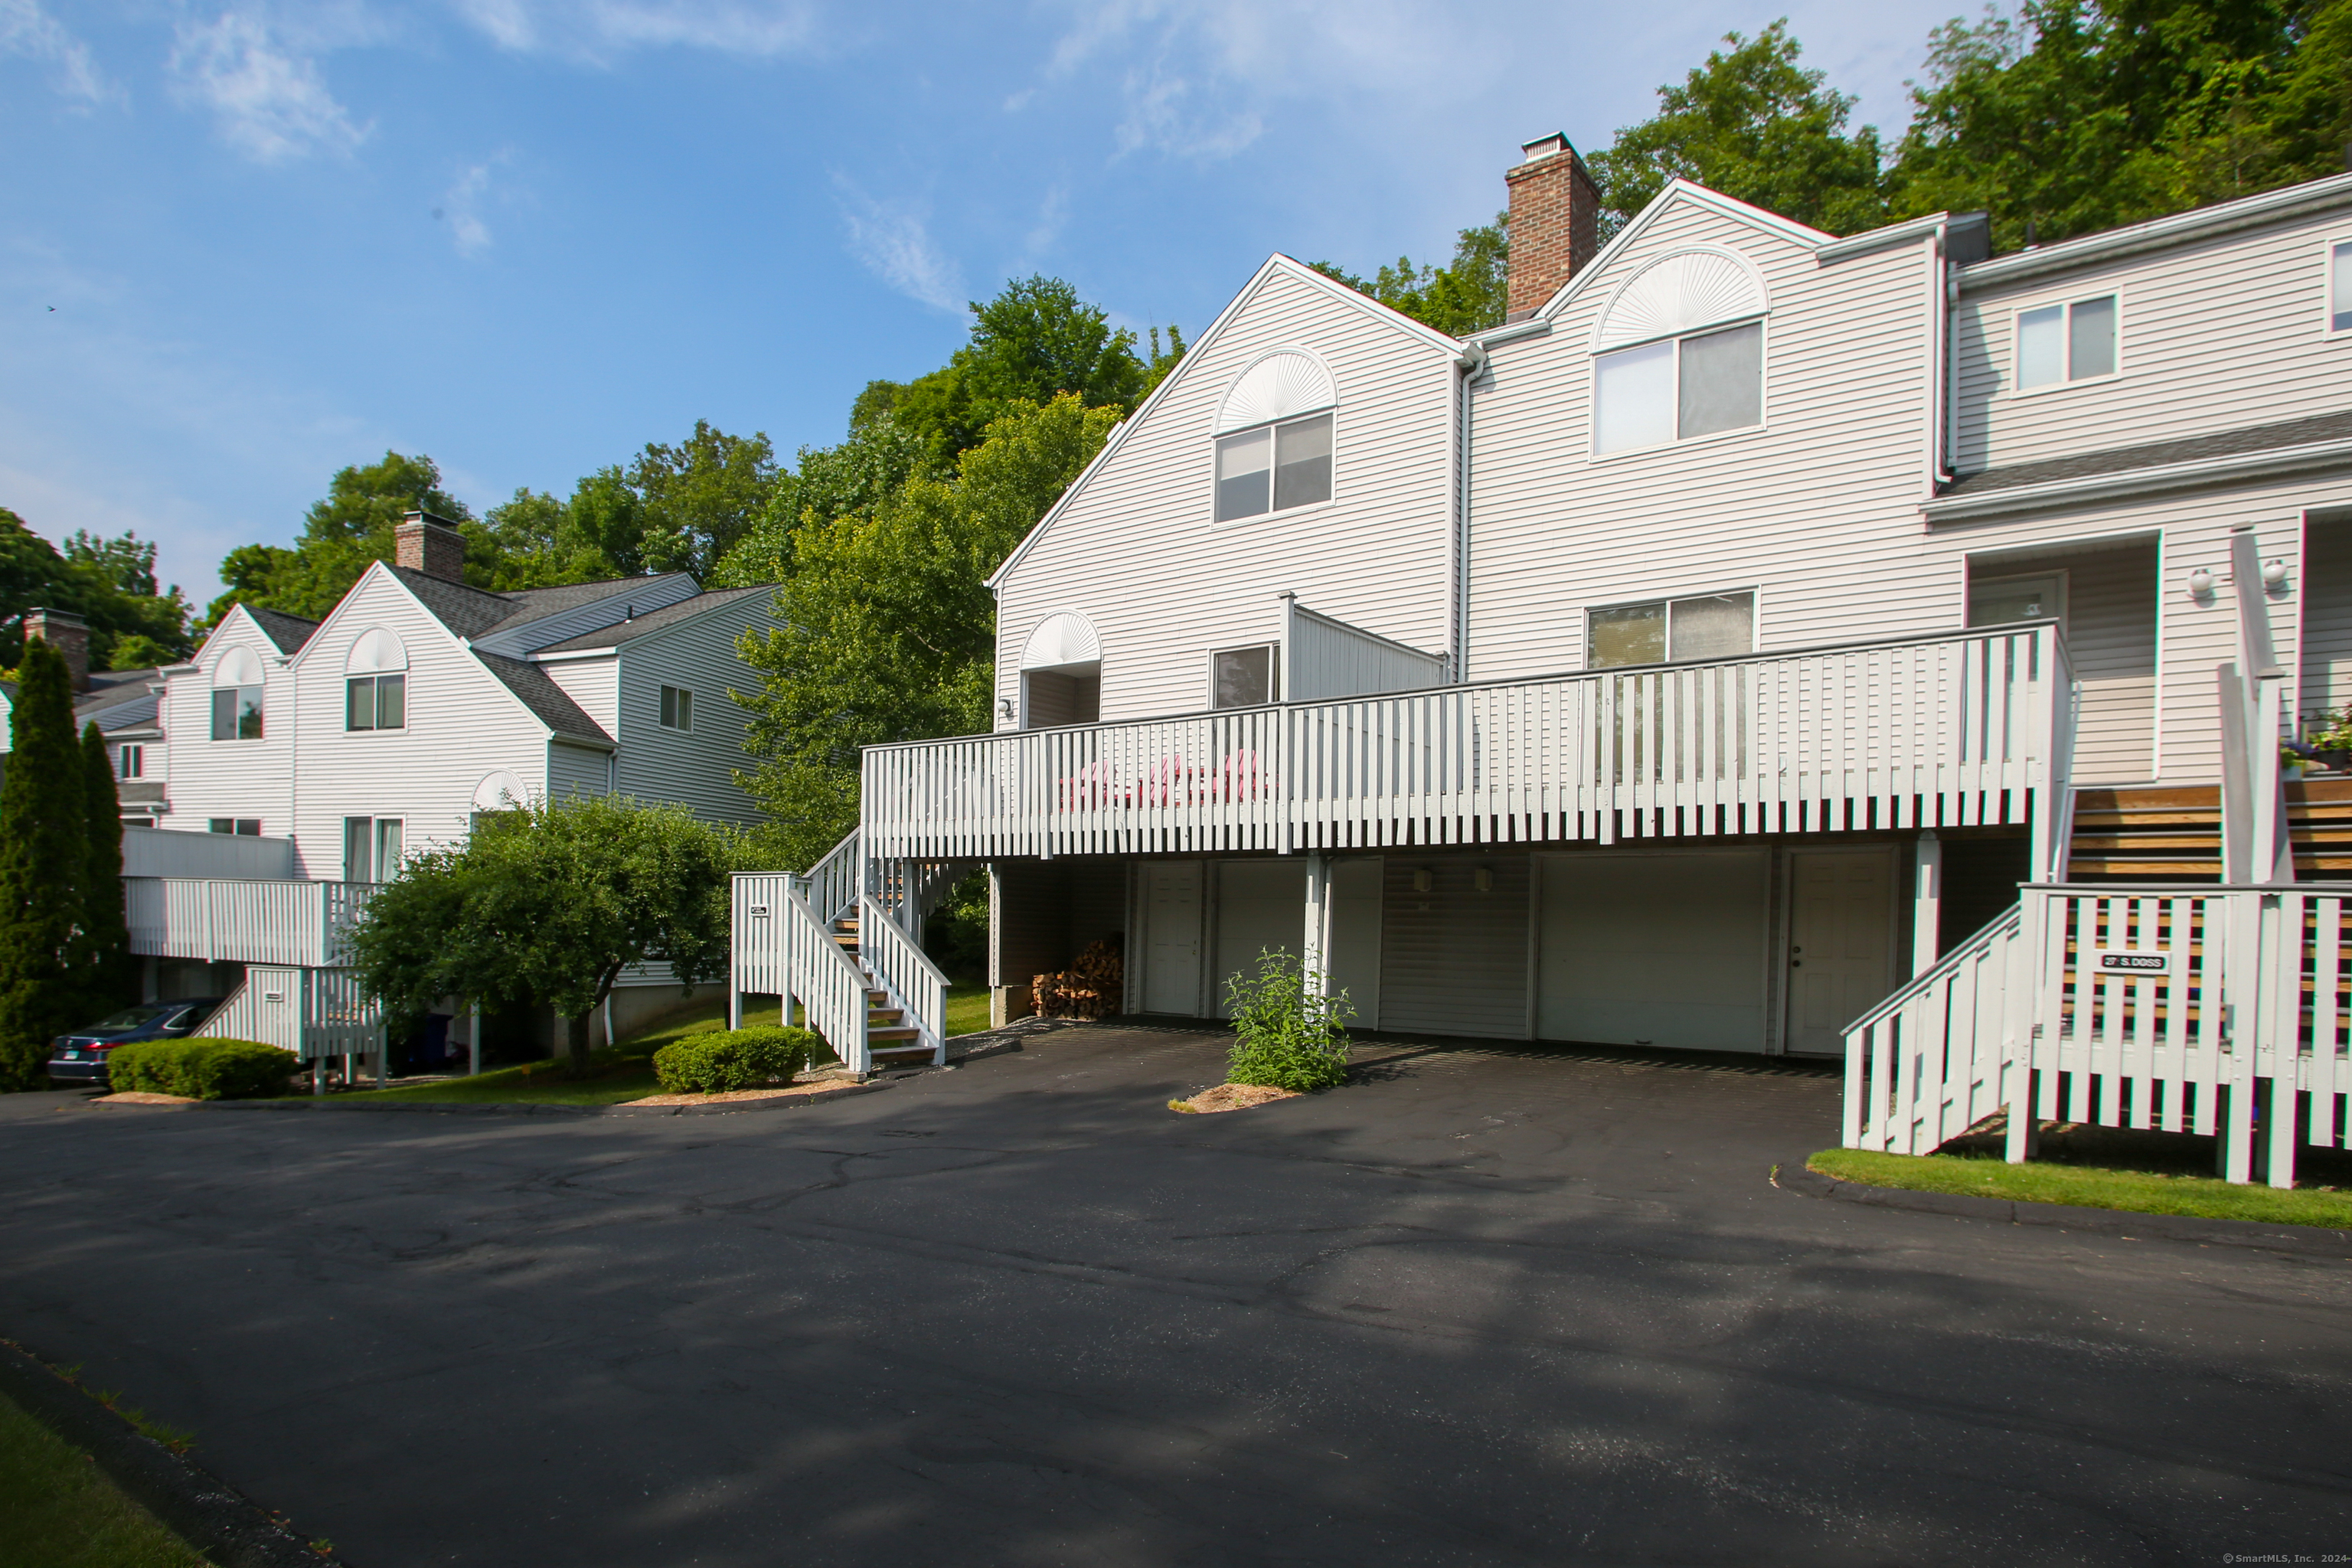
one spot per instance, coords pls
(1841, 942)
(1171, 924)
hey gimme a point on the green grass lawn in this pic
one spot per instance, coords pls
(967, 1009)
(2103, 1168)
(56, 1509)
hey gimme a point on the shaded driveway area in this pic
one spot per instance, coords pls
(1493, 1306)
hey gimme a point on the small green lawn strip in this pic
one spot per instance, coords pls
(1987, 1175)
(58, 1510)
(967, 1009)
(622, 1073)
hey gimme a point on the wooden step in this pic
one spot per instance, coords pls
(894, 1032)
(884, 1017)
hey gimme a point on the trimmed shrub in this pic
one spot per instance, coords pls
(1283, 1036)
(724, 1060)
(201, 1069)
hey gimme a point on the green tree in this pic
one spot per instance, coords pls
(1754, 124)
(697, 498)
(109, 977)
(549, 904)
(44, 859)
(880, 455)
(886, 630)
(1465, 296)
(353, 525)
(109, 583)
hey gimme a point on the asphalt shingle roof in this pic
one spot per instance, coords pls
(2252, 439)
(548, 702)
(621, 631)
(289, 632)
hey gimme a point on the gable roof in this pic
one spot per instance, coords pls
(1276, 266)
(548, 702)
(2307, 199)
(289, 632)
(1676, 191)
(668, 615)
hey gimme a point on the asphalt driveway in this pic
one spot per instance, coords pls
(1498, 1307)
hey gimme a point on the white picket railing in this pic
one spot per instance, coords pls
(780, 948)
(2225, 1011)
(833, 884)
(237, 921)
(1957, 728)
(904, 973)
(310, 1012)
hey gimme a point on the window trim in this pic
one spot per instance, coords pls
(1755, 623)
(686, 708)
(2329, 306)
(1971, 582)
(2016, 321)
(375, 825)
(130, 760)
(212, 699)
(1219, 437)
(1272, 647)
(1592, 452)
(234, 829)
(377, 678)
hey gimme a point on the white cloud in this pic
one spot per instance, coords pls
(599, 29)
(462, 206)
(32, 33)
(271, 102)
(894, 242)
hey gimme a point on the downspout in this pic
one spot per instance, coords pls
(1468, 364)
(1948, 460)
(1940, 388)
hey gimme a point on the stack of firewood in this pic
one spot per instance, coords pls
(1093, 987)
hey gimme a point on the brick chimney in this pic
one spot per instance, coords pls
(69, 634)
(1555, 223)
(431, 545)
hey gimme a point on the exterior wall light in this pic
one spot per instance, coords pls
(2200, 583)
(2273, 573)
(1483, 878)
(1421, 878)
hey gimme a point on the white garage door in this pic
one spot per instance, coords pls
(1653, 948)
(1261, 907)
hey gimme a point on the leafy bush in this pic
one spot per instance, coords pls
(728, 1060)
(1283, 1035)
(201, 1069)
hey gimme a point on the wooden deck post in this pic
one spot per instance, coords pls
(1926, 901)
(1315, 965)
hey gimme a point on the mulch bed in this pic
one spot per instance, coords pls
(731, 1096)
(1231, 1097)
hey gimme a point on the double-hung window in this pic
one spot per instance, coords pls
(129, 761)
(1670, 631)
(1273, 467)
(2339, 286)
(375, 702)
(2071, 341)
(1245, 677)
(236, 712)
(676, 708)
(371, 848)
(1676, 390)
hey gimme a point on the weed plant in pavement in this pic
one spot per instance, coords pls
(1286, 1034)
(726, 1060)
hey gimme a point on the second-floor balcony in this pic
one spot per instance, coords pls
(234, 920)
(1955, 728)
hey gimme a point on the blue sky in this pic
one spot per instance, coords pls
(248, 246)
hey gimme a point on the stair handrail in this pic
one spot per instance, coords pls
(1872, 1080)
(829, 984)
(904, 973)
(833, 884)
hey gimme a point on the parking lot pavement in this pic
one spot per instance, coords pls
(1493, 1306)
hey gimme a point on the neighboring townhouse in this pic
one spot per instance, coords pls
(1690, 662)
(120, 702)
(337, 748)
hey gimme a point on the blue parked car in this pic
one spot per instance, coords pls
(79, 1058)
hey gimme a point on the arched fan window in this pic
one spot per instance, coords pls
(237, 687)
(1273, 437)
(1061, 673)
(1679, 352)
(375, 682)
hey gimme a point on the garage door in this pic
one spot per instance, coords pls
(1653, 948)
(1261, 907)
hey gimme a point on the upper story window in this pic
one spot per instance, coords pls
(1245, 677)
(676, 708)
(1275, 436)
(237, 696)
(1670, 631)
(2071, 341)
(1678, 353)
(243, 826)
(375, 682)
(2339, 286)
(129, 761)
(372, 848)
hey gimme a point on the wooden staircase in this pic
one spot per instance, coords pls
(890, 1040)
(2175, 833)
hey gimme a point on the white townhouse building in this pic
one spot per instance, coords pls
(1702, 658)
(307, 759)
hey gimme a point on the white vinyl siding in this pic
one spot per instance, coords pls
(579, 771)
(694, 767)
(2214, 336)
(593, 683)
(1136, 551)
(233, 779)
(1813, 511)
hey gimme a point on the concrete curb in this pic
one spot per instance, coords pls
(2309, 1241)
(526, 1108)
(212, 1516)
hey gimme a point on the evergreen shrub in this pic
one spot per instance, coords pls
(201, 1069)
(1283, 1035)
(728, 1060)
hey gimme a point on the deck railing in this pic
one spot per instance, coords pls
(2225, 1011)
(310, 1012)
(904, 973)
(781, 949)
(236, 921)
(1958, 728)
